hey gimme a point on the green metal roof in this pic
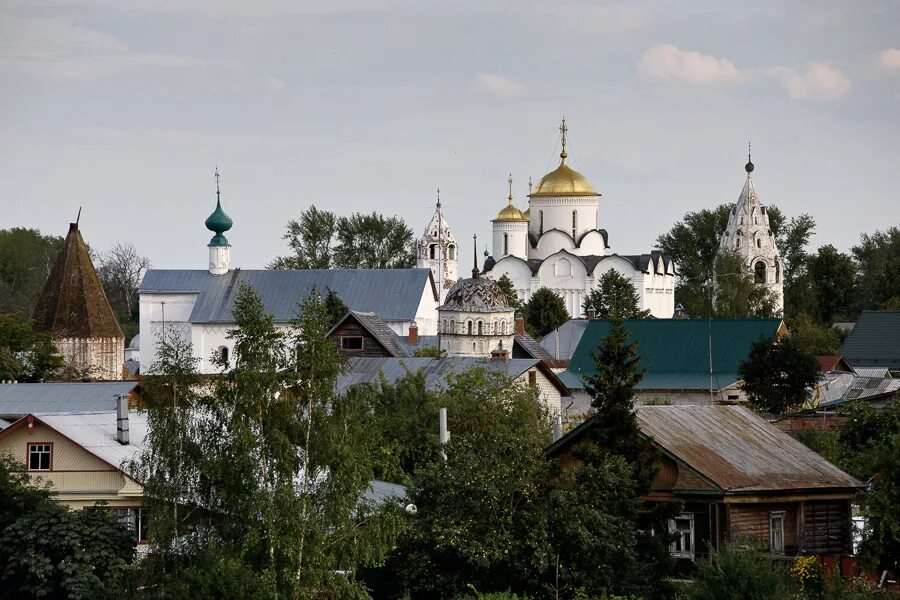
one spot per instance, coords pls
(875, 340)
(675, 352)
(218, 222)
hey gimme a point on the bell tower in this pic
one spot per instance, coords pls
(437, 250)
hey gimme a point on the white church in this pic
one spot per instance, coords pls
(557, 242)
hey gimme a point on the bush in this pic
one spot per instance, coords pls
(737, 573)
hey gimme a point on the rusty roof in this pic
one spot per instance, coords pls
(738, 450)
(73, 303)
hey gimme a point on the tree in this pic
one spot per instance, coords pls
(778, 376)
(736, 293)
(335, 308)
(512, 297)
(373, 242)
(120, 269)
(544, 312)
(26, 259)
(311, 240)
(878, 262)
(833, 278)
(615, 298)
(19, 494)
(792, 238)
(735, 572)
(815, 338)
(26, 355)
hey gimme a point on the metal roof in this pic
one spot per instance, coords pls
(675, 352)
(738, 450)
(874, 340)
(569, 334)
(379, 330)
(531, 347)
(18, 399)
(392, 294)
(369, 370)
(425, 341)
(380, 492)
(873, 371)
(96, 433)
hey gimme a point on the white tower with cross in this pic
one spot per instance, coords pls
(437, 250)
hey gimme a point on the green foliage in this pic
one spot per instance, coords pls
(878, 263)
(429, 352)
(737, 573)
(813, 337)
(335, 308)
(512, 297)
(737, 294)
(26, 259)
(26, 355)
(615, 298)
(832, 276)
(544, 312)
(778, 376)
(319, 239)
(19, 494)
(694, 242)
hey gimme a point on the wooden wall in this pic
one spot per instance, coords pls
(350, 328)
(826, 527)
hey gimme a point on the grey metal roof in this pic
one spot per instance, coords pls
(531, 347)
(392, 294)
(381, 332)
(380, 492)
(872, 371)
(875, 340)
(96, 433)
(20, 399)
(569, 334)
(425, 341)
(368, 370)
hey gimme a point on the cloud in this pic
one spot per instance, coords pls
(64, 48)
(499, 87)
(890, 58)
(820, 81)
(670, 63)
(274, 86)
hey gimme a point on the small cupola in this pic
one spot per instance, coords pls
(219, 248)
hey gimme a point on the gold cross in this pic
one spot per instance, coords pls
(510, 188)
(563, 130)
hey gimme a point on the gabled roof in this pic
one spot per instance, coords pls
(874, 340)
(73, 303)
(378, 330)
(21, 399)
(531, 347)
(833, 362)
(675, 352)
(568, 334)
(732, 448)
(369, 370)
(392, 294)
(95, 432)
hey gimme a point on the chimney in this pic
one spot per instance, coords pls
(680, 312)
(557, 428)
(520, 324)
(500, 353)
(413, 334)
(122, 419)
(591, 313)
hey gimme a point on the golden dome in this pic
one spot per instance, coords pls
(510, 213)
(564, 181)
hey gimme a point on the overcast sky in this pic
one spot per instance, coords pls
(125, 107)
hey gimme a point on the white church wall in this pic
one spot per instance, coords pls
(565, 274)
(154, 309)
(557, 214)
(552, 242)
(516, 239)
(592, 244)
(518, 272)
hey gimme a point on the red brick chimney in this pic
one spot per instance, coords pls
(413, 334)
(520, 324)
(591, 313)
(500, 353)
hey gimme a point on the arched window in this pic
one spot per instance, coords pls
(562, 268)
(480, 328)
(223, 354)
(469, 327)
(758, 242)
(756, 220)
(738, 238)
(451, 252)
(452, 326)
(505, 244)
(742, 220)
(444, 326)
(760, 271)
(502, 327)
(777, 271)
(574, 222)
(540, 222)
(432, 251)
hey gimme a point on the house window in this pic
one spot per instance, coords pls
(352, 344)
(776, 532)
(133, 519)
(505, 244)
(682, 530)
(451, 252)
(223, 354)
(532, 377)
(40, 456)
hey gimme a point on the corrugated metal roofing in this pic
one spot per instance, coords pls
(675, 352)
(874, 340)
(532, 347)
(381, 332)
(20, 399)
(96, 432)
(569, 334)
(392, 294)
(738, 450)
(368, 370)
(873, 371)
(425, 341)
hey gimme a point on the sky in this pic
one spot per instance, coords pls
(125, 108)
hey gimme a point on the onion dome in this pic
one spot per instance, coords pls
(218, 222)
(510, 214)
(479, 294)
(749, 166)
(564, 181)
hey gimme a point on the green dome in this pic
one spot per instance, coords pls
(218, 222)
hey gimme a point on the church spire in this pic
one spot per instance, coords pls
(474, 256)
(219, 248)
(439, 198)
(749, 166)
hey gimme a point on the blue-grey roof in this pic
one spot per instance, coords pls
(19, 399)
(425, 341)
(380, 492)
(875, 340)
(368, 370)
(392, 294)
(569, 334)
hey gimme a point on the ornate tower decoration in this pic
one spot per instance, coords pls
(219, 248)
(476, 319)
(749, 236)
(510, 230)
(437, 250)
(74, 310)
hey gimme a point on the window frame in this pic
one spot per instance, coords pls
(691, 532)
(345, 348)
(28, 447)
(776, 516)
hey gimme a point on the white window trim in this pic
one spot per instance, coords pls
(780, 516)
(691, 535)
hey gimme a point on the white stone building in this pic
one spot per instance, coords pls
(476, 319)
(749, 236)
(437, 250)
(558, 243)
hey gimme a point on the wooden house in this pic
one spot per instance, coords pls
(737, 478)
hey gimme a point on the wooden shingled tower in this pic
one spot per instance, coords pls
(74, 309)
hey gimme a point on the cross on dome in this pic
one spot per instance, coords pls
(563, 131)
